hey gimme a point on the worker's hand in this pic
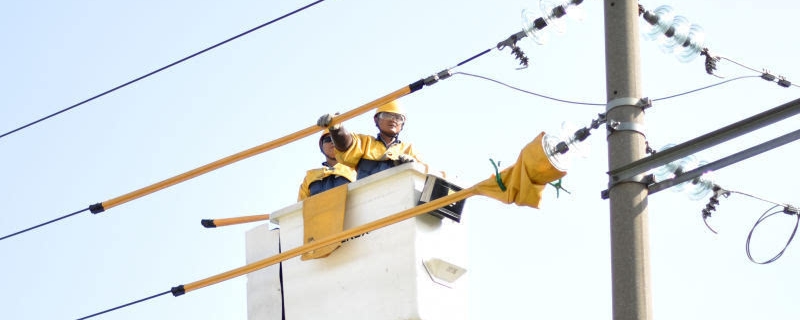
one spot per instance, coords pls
(404, 158)
(325, 120)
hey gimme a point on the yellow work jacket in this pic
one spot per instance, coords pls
(369, 154)
(321, 179)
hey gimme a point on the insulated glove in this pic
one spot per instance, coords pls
(404, 158)
(325, 120)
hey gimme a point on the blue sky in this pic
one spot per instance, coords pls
(551, 263)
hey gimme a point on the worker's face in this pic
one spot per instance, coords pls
(327, 147)
(390, 123)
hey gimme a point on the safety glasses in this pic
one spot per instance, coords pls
(392, 116)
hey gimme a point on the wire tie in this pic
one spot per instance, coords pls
(558, 185)
(497, 175)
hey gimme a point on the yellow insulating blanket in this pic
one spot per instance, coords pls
(323, 215)
(526, 179)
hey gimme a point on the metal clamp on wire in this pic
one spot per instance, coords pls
(434, 78)
(511, 42)
(645, 179)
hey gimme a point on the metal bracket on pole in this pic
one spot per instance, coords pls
(724, 162)
(707, 140)
(613, 125)
(643, 103)
(646, 179)
(653, 186)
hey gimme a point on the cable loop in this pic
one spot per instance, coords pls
(786, 209)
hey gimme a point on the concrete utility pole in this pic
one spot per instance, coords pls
(630, 259)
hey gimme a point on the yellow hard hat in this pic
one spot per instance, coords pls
(392, 107)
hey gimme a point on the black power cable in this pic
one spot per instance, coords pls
(161, 69)
(101, 207)
(125, 305)
(706, 87)
(594, 104)
(526, 91)
(42, 224)
(787, 210)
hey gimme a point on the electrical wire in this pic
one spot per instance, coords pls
(758, 198)
(762, 72)
(125, 305)
(462, 73)
(786, 208)
(42, 224)
(739, 64)
(653, 19)
(526, 91)
(339, 237)
(763, 217)
(405, 90)
(162, 68)
(594, 104)
(703, 88)
(473, 57)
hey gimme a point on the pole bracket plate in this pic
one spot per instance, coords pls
(643, 103)
(644, 178)
(613, 126)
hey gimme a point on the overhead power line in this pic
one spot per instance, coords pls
(413, 87)
(161, 69)
(591, 103)
(719, 192)
(100, 207)
(264, 147)
(311, 246)
(125, 305)
(43, 224)
(526, 91)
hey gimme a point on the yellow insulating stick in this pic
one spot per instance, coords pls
(335, 238)
(213, 223)
(108, 204)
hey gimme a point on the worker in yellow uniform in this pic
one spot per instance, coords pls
(331, 174)
(371, 154)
